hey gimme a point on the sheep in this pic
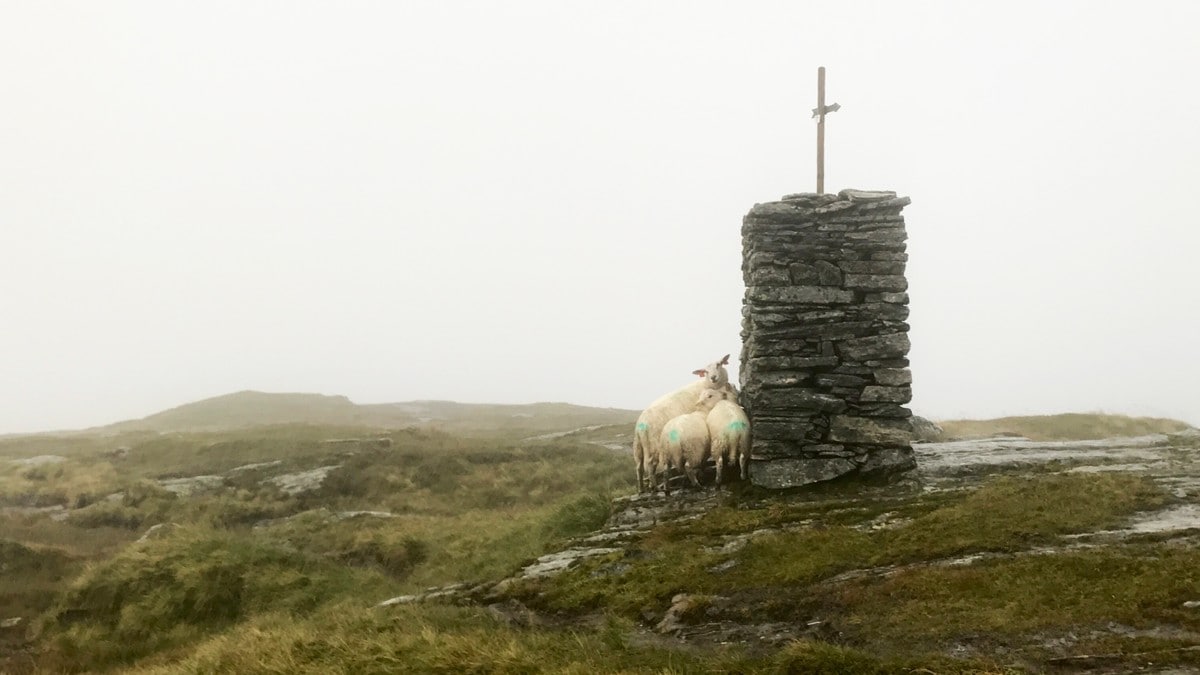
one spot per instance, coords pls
(684, 445)
(728, 429)
(650, 423)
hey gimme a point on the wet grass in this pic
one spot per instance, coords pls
(1006, 515)
(1009, 597)
(168, 592)
(232, 593)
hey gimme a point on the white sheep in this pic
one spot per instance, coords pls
(684, 445)
(650, 423)
(728, 429)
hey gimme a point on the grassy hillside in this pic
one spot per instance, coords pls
(397, 511)
(252, 408)
(249, 575)
(1064, 427)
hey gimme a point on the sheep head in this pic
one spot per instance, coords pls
(715, 372)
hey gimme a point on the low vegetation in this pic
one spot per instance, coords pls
(247, 576)
(1064, 427)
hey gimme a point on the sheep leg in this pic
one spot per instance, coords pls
(743, 459)
(720, 462)
(641, 474)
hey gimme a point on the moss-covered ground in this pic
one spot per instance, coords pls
(988, 578)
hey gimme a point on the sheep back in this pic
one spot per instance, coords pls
(729, 430)
(685, 443)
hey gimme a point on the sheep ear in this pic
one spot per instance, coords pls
(700, 373)
(724, 361)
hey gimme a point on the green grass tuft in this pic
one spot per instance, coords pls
(170, 591)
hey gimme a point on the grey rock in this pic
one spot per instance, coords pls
(788, 473)
(797, 295)
(769, 275)
(891, 410)
(348, 515)
(867, 195)
(254, 466)
(836, 380)
(783, 378)
(780, 428)
(554, 563)
(889, 298)
(803, 274)
(681, 604)
(877, 282)
(877, 347)
(925, 431)
(873, 267)
(186, 487)
(795, 398)
(875, 393)
(887, 461)
(401, 600)
(765, 363)
(790, 211)
(828, 274)
(302, 481)
(893, 377)
(866, 431)
(834, 207)
(1185, 438)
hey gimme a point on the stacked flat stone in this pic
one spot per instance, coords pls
(824, 365)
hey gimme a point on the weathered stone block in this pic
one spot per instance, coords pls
(871, 267)
(836, 380)
(795, 398)
(783, 378)
(892, 410)
(875, 347)
(892, 298)
(796, 295)
(828, 274)
(781, 428)
(877, 282)
(893, 377)
(769, 275)
(878, 394)
(789, 473)
(866, 431)
(886, 461)
(765, 363)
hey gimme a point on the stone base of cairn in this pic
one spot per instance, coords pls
(824, 365)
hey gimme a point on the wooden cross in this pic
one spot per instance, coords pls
(819, 113)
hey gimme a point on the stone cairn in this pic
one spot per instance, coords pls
(824, 365)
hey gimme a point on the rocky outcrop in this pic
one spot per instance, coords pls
(925, 431)
(824, 364)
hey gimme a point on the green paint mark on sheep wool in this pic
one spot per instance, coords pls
(673, 435)
(737, 425)
(642, 426)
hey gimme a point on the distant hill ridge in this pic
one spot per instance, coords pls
(246, 409)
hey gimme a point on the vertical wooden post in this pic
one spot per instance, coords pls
(821, 130)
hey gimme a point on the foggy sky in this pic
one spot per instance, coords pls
(541, 201)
